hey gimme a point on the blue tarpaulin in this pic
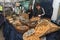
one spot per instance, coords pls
(1, 19)
(54, 36)
(10, 33)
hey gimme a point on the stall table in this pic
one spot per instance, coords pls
(10, 33)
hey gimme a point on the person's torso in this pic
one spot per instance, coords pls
(38, 12)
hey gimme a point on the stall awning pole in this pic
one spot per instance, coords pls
(4, 9)
(33, 4)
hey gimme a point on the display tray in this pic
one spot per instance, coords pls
(39, 27)
(21, 25)
(43, 28)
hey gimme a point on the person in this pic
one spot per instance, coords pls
(1, 9)
(30, 11)
(17, 8)
(39, 11)
(1, 16)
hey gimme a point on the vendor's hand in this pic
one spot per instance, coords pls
(39, 15)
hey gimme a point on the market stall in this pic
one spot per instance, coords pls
(17, 28)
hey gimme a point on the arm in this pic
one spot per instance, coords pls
(43, 12)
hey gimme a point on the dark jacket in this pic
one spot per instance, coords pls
(39, 12)
(30, 13)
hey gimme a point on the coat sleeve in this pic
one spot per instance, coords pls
(43, 11)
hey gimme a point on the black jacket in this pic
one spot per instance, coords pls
(39, 12)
